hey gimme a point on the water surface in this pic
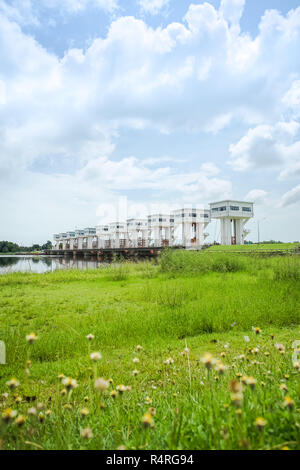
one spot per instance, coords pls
(43, 264)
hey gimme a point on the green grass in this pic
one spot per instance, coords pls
(256, 247)
(192, 300)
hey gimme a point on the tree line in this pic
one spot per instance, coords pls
(10, 247)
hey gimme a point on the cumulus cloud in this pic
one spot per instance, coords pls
(256, 195)
(232, 10)
(153, 6)
(267, 146)
(291, 197)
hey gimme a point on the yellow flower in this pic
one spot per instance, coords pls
(69, 383)
(121, 388)
(86, 433)
(41, 417)
(13, 383)
(31, 338)
(113, 393)
(48, 412)
(288, 402)
(86, 399)
(208, 360)
(260, 423)
(152, 411)
(251, 381)
(283, 387)
(20, 420)
(236, 386)
(220, 368)
(63, 392)
(84, 412)
(239, 412)
(236, 399)
(90, 337)
(8, 414)
(147, 420)
(139, 347)
(256, 329)
(135, 372)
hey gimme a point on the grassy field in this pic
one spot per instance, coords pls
(257, 247)
(169, 393)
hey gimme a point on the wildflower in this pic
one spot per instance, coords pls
(235, 386)
(148, 401)
(208, 360)
(135, 360)
(255, 350)
(239, 412)
(48, 412)
(139, 347)
(247, 339)
(102, 405)
(174, 395)
(113, 393)
(236, 399)
(18, 399)
(223, 354)
(186, 350)
(63, 392)
(169, 360)
(135, 372)
(86, 399)
(69, 383)
(20, 420)
(68, 406)
(8, 414)
(40, 406)
(220, 368)
(286, 376)
(84, 412)
(96, 356)
(216, 378)
(262, 384)
(31, 411)
(260, 423)
(41, 417)
(90, 337)
(13, 383)
(147, 420)
(28, 363)
(272, 335)
(280, 347)
(31, 338)
(251, 381)
(110, 381)
(101, 384)
(296, 365)
(256, 329)
(226, 345)
(86, 433)
(152, 411)
(283, 387)
(61, 376)
(267, 353)
(121, 388)
(288, 402)
(239, 375)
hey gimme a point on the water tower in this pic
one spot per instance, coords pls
(233, 216)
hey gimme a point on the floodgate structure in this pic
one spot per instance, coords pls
(181, 228)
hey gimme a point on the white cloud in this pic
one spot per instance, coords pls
(232, 10)
(267, 146)
(291, 197)
(153, 7)
(256, 195)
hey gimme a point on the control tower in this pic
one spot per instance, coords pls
(233, 216)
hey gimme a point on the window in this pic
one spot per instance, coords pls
(215, 209)
(171, 220)
(246, 209)
(223, 208)
(206, 216)
(193, 214)
(234, 208)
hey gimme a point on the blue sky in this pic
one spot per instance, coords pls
(163, 102)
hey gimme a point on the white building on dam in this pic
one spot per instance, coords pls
(185, 228)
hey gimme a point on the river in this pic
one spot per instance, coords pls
(43, 264)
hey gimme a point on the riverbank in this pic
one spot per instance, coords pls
(160, 396)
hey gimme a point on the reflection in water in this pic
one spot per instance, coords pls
(42, 264)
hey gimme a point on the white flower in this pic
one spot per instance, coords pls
(247, 339)
(101, 384)
(90, 337)
(96, 356)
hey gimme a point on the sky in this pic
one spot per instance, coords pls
(112, 109)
